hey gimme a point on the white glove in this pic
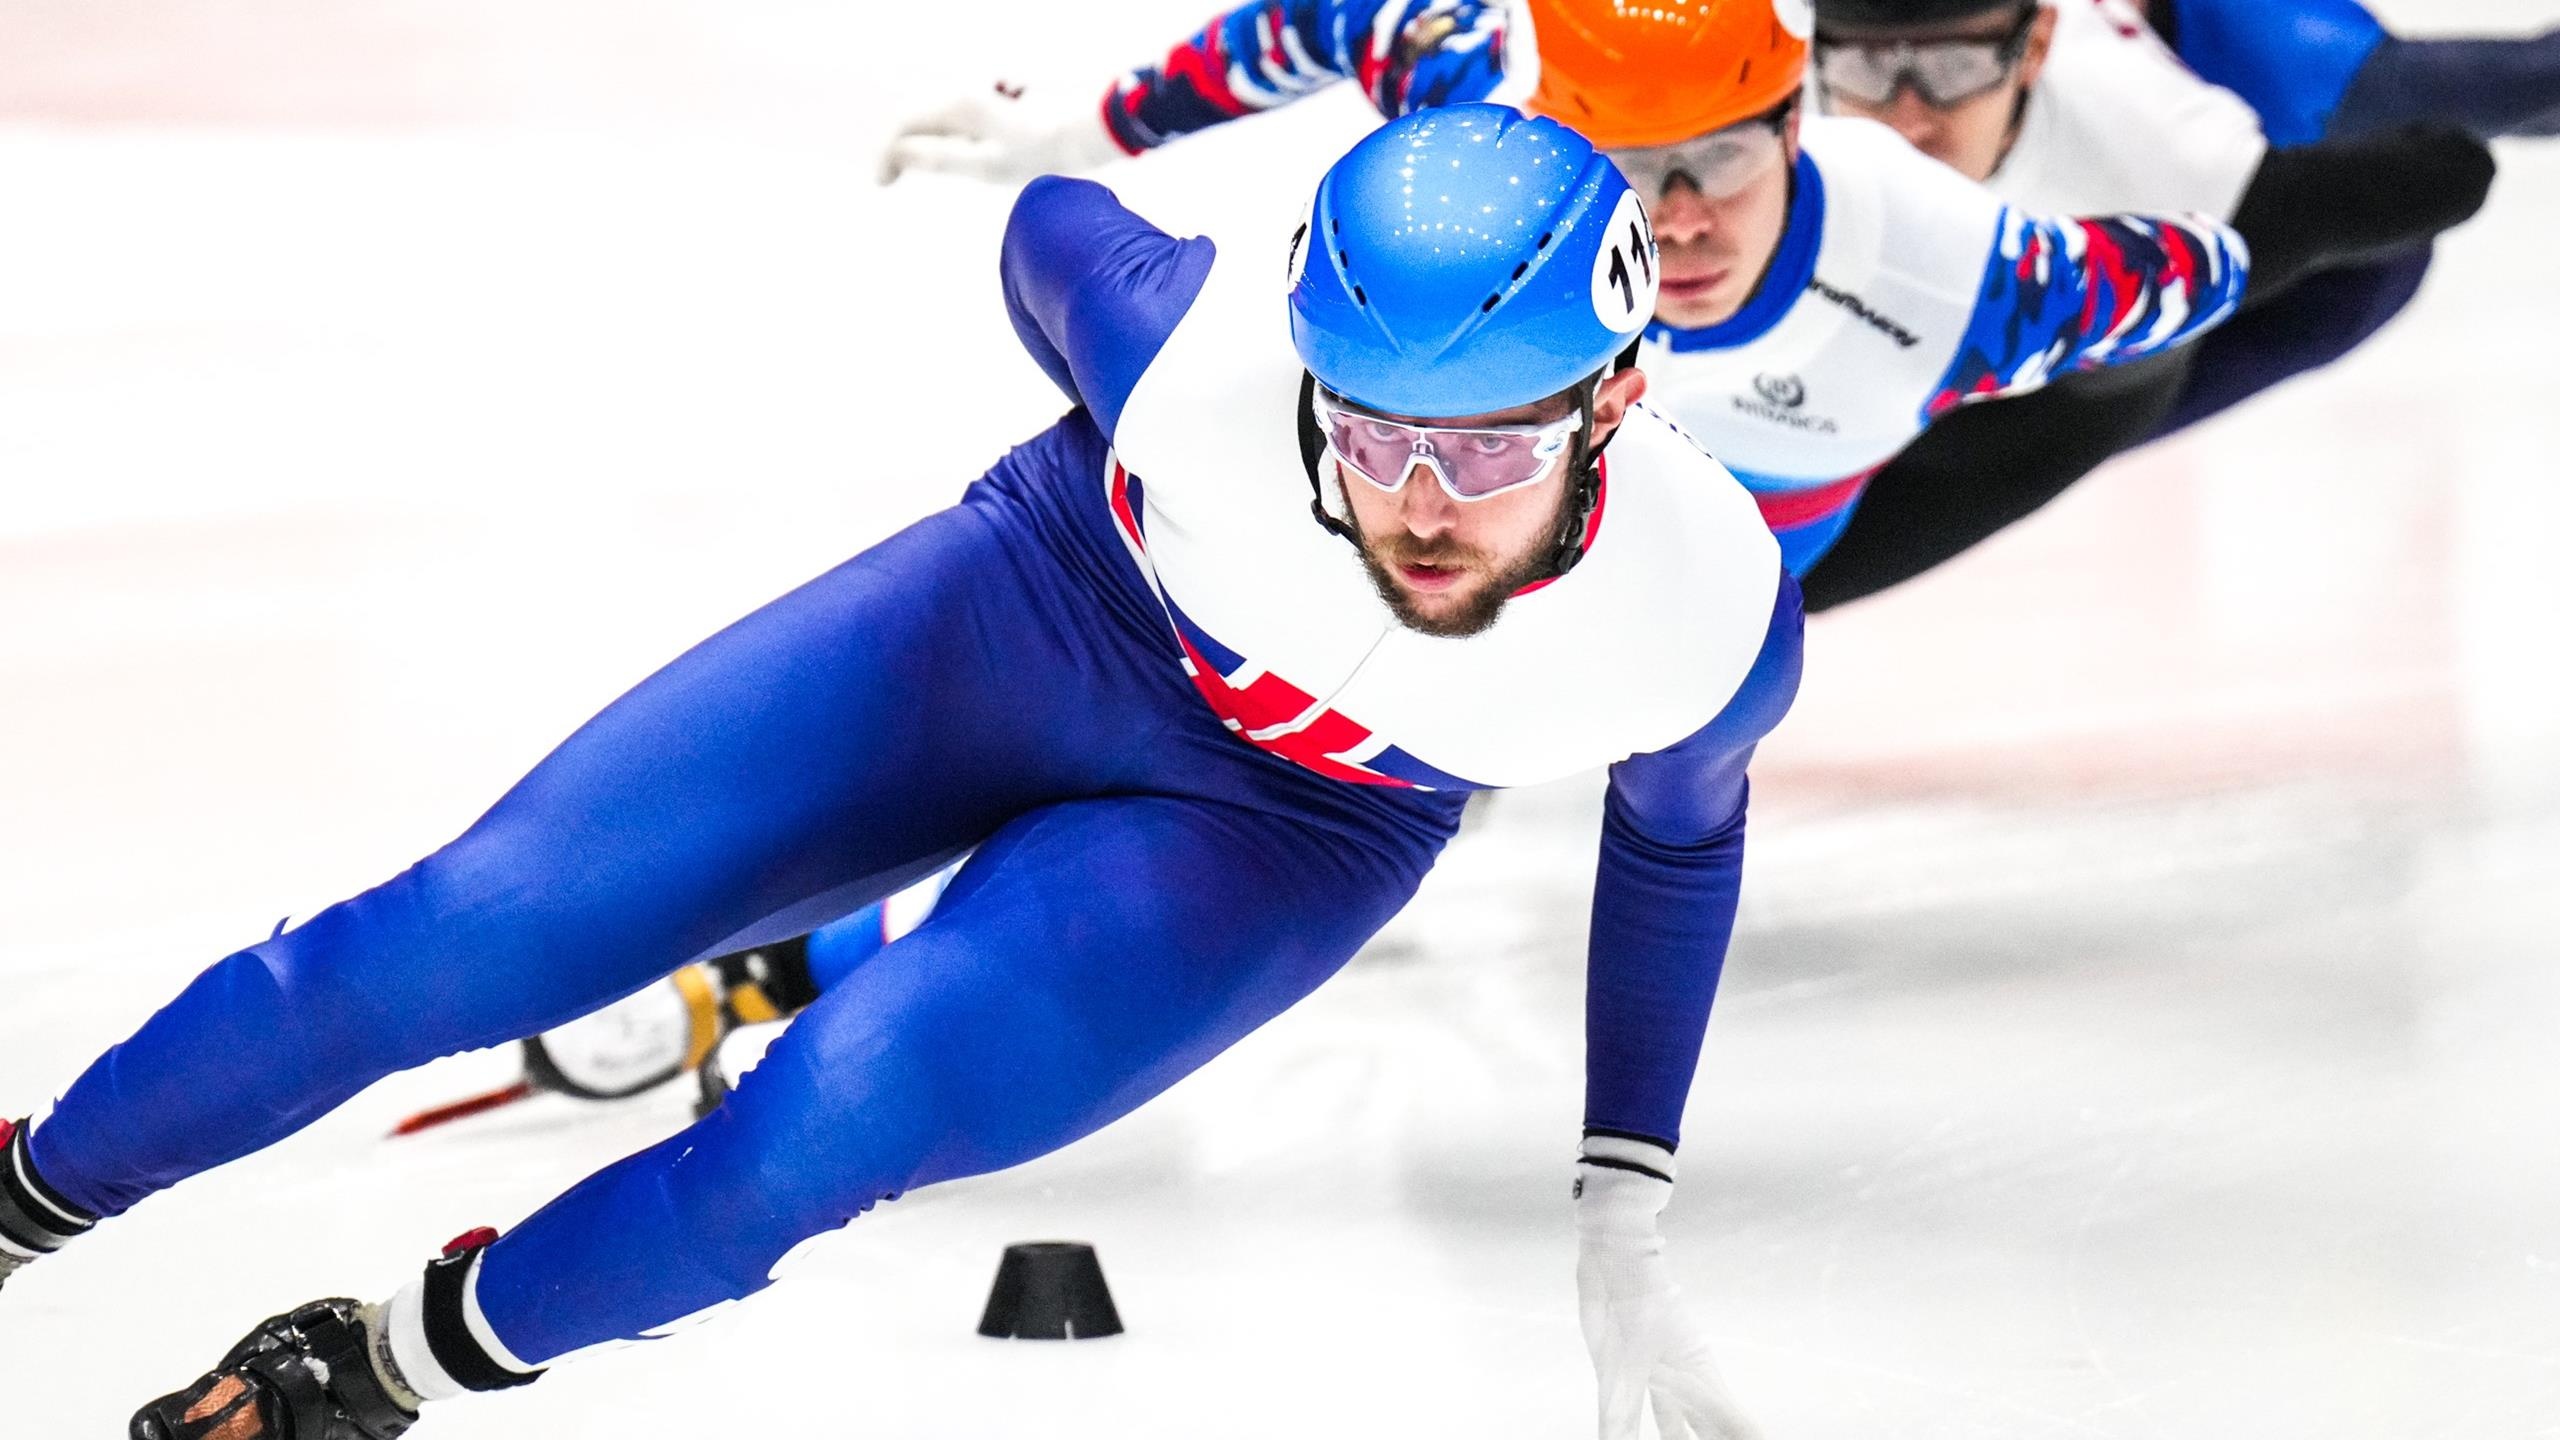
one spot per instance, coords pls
(1643, 1342)
(1008, 134)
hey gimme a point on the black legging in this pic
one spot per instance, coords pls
(1986, 466)
(2338, 236)
(2311, 325)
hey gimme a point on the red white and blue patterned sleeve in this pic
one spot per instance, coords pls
(2076, 294)
(1405, 55)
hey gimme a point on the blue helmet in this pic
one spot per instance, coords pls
(1467, 260)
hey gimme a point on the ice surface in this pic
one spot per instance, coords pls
(2140, 1024)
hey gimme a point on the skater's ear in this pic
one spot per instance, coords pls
(1610, 403)
(2039, 47)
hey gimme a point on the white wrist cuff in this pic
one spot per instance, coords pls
(1613, 1152)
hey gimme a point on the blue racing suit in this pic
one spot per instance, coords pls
(1147, 881)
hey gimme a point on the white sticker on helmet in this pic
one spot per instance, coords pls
(1797, 17)
(1627, 274)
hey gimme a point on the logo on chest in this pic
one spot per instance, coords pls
(1784, 391)
(1867, 315)
(1780, 400)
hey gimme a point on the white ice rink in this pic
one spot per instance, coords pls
(2145, 1020)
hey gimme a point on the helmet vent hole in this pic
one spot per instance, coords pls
(1490, 301)
(1546, 240)
(1522, 269)
(1745, 77)
(1359, 294)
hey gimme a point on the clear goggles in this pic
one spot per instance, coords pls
(1722, 164)
(1943, 73)
(1470, 464)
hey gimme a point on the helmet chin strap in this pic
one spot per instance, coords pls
(1585, 496)
(1311, 450)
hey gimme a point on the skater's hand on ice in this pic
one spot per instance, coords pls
(1644, 1344)
(1007, 134)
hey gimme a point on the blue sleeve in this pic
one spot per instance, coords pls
(2081, 293)
(1670, 876)
(1405, 55)
(1094, 290)
(2292, 60)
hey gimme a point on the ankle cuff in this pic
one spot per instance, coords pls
(438, 1339)
(35, 1220)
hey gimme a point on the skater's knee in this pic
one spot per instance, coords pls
(341, 1008)
(752, 1189)
(995, 1075)
(841, 1116)
(466, 949)
(811, 1142)
(246, 1004)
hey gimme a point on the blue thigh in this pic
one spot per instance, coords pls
(2313, 324)
(2291, 60)
(844, 740)
(1087, 957)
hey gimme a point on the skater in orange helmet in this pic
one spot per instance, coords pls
(1827, 292)
(1661, 72)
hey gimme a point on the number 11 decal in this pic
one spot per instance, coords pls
(1624, 278)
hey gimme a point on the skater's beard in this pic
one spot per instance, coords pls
(1453, 615)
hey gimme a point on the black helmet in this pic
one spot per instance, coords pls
(1896, 14)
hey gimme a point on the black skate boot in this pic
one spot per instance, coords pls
(34, 1221)
(305, 1376)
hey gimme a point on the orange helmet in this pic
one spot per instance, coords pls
(1631, 73)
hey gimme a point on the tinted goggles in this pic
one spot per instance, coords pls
(1944, 73)
(1470, 464)
(1721, 164)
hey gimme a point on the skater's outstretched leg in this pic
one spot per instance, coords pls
(1086, 958)
(2317, 322)
(773, 778)
(1985, 467)
(2488, 87)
